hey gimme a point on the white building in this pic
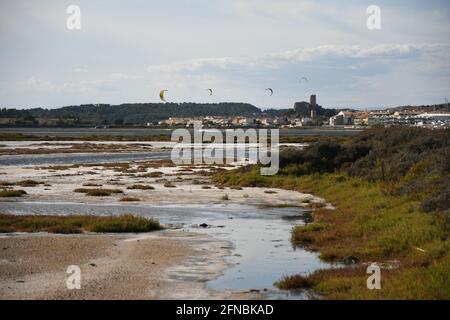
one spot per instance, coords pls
(342, 119)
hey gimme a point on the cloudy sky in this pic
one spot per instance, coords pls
(126, 51)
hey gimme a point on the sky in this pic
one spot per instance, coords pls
(127, 51)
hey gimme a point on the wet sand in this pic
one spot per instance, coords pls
(145, 266)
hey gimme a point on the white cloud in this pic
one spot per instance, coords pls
(196, 64)
(80, 70)
(326, 52)
(342, 75)
(123, 76)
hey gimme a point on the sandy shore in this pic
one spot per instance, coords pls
(146, 266)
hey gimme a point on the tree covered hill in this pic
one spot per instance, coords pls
(123, 114)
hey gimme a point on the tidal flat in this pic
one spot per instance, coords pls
(218, 242)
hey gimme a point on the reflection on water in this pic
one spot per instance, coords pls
(261, 252)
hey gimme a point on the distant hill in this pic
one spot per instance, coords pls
(443, 107)
(139, 114)
(123, 114)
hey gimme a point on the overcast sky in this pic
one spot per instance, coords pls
(126, 51)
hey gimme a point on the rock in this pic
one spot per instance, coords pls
(350, 260)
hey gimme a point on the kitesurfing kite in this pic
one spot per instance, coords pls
(305, 79)
(161, 95)
(270, 91)
(210, 91)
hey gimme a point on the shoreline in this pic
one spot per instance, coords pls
(199, 257)
(126, 266)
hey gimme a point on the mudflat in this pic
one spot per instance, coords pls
(112, 267)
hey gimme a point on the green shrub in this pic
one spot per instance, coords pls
(76, 223)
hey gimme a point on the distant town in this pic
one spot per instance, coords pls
(224, 115)
(412, 116)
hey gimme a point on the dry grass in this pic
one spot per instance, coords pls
(154, 174)
(98, 192)
(129, 199)
(294, 282)
(21, 183)
(12, 193)
(169, 185)
(140, 187)
(90, 184)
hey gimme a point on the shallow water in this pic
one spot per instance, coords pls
(80, 132)
(261, 250)
(78, 158)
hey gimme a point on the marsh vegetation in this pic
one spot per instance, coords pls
(76, 224)
(390, 190)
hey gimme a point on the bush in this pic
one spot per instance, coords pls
(140, 187)
(27, 183)
(169, 185)
(129, 199)
(127, 223)
(98, 192)
(411, 161)
(294, 282)
(437, 201)
(12, 193)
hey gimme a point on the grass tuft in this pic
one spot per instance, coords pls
(169, 185)
(129, 199)
(294, 282)
(76, 224)
(11, 193)
(98, 192)
(140, 187)
(27, 183)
